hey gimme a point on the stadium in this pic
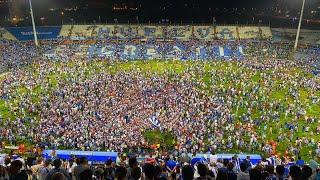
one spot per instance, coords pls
(153, 101)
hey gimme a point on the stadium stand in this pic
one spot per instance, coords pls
(79, 32)
(4, 34)
(287, 35)
(151, 32)
(66, 95)
(179, 32)
(66, 31)
(182, 33)
(226, 32)
(265, 32)
(247, 32)
(204, 32)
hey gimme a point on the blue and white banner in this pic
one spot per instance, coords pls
(182, 33)
(179, 51)
(204, 32)
(179, 32)
(93, 156)
(226, 32)
(26, 33)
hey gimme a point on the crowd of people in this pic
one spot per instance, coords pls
(256, 104)
(157, 167)
(86, 107)
(15, 54)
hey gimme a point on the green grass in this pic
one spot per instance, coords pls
(165, 139)
(210, 73)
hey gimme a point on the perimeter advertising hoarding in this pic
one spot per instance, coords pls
(93, 156)
(43, 32)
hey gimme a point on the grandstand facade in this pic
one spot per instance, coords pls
(147, 32)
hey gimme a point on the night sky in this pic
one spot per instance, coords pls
(155, 11)
(155, 3)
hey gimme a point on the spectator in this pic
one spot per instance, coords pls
(248, 163)
(3, 173)
(58, 176)
(44, 171)
(132, 164)
(83, 165)
(16, 172)
(300, 162)
(255, 174)
(202, 171)
(109, 171)
(98, 174)
(36, 168)
(222, 175)
(57, 163)
(86, 174)
(306, 172)
(280, 172)
(270, 172)
(231, 174)
(135, 173)
(187, 172)
(243, 174)
(295, 172)
(149, 171)
(121, 173)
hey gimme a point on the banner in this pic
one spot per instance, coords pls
(254, 158)
(151, 32)
(93, 156)
(306, 36)
(226, 32)
(181, 33)
(204, 32)
(65, 30)
(249, 32)
(26, 33)
(266, 32)
(179, 51)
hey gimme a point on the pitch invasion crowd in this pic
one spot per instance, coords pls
(85, 107)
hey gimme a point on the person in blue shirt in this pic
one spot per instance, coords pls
(300, 162)
(171, 164)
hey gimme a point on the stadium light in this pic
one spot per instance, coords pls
(299, 26)
(33, 25)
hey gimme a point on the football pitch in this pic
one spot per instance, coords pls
(276, 104)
